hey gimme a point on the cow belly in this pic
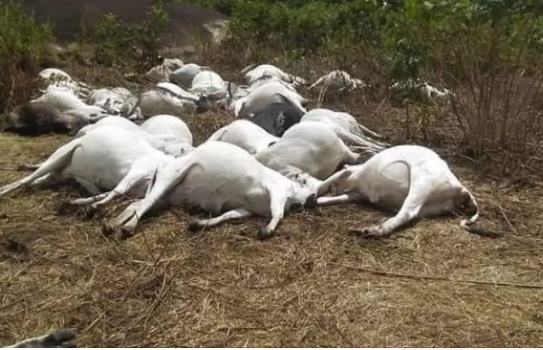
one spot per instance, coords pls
(102, 171)
(218, 194)
(390, 186)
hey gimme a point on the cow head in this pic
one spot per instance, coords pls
(203, 104)
(177, 149)
(305, 186)
(338, 183)
(465, 203)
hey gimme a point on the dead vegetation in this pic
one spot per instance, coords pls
(314, 284)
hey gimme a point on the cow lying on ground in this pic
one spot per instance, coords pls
(64, 101)
(254, 73)
(62, 338)
(338, 80)
(311, 147)
(412, 180)
(184, 76)
(265, 95)
(36, 118)
(105, 159)
(341, 119)
(277, 118)
(165, 98)
(116, 101)
(244, 134)
(210, 84)
(165, 133)
(222, 178)
(173, 131)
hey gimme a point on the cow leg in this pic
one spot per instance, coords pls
(47, 180)
(411, 207)
(344, 198)
(365, 131)
(229, 215)
(131, 180)
(278, 199)
(90, 200)
(328, 184)
(28, 167)
(165, 179)
(361, 142)
(56, 162)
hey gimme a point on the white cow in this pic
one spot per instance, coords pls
(118, 101)
(311, 147)
(54, 74)
(210, 84)
(110, 121)
(422, 88)
(105, 159)
(54, 79)
(177, 90)
(159, 73)
(163, 71)
(221, 178)
(184, 75)
(173, 63)
(171, 130)
(245, 134)
(62, 100)
(412, 180)
(67, 103)
(267, 94)
(161, 100)
(254, 73)
(338, 80)
(346, 126)
(266, 80)
(165, 133)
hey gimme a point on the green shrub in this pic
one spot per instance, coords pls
(489, 51)
(119, 43)
(24, 46)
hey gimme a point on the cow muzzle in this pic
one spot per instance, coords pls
(311, 202)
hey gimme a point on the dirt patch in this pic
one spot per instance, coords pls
(312, 285)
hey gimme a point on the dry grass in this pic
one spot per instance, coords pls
(311, 285)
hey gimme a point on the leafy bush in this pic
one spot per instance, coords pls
(24, 45)
(119, 43)
(488, 51)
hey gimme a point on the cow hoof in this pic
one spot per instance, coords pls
(193, 226)
(264, 233)
(126, 233)
(311, 202)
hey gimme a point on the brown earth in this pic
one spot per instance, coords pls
(68, 17)
(314, 284)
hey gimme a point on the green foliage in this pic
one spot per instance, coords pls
(489, 51)
(24, 45)
(22, 41)
(120, 43)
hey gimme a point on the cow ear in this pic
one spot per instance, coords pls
(283, 98)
